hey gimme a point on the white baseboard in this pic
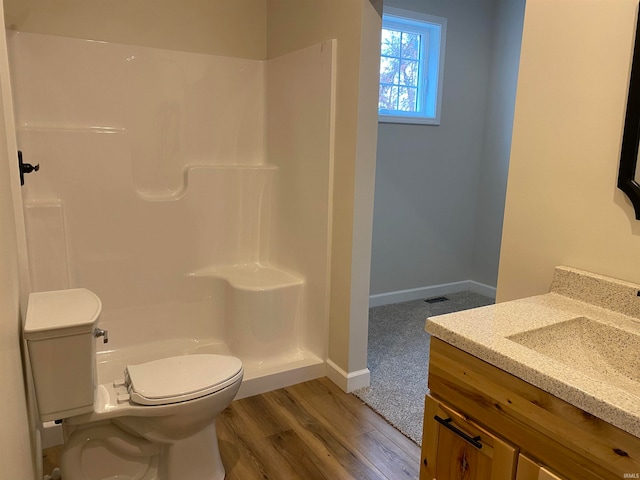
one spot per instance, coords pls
(431, 291)
(417, 293)
(348, 381)
(482, 289)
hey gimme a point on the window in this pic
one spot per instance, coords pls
(411, 67)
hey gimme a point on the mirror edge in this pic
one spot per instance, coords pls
(631, 133)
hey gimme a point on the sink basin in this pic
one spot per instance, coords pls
(601, 351)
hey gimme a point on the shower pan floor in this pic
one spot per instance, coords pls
(260, 374)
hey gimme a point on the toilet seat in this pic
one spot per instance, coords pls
(178, 379)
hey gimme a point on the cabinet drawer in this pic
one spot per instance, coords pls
(455, 448)
(530, 470)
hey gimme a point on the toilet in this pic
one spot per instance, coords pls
(156, 422)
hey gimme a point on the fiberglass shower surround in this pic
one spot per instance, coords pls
(190, 192)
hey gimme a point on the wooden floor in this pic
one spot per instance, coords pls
(309, 431)
(312, 430)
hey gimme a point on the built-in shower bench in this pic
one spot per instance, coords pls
(253, 276)
(263, 308)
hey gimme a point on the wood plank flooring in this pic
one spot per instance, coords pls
(309, 431)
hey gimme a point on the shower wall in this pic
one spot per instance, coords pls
(191, 192)
(300, 142)
(178, 108)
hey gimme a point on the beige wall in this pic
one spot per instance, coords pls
(234, 28)
(562, 203)
(15, 449)
(365, 171)
(294, 24)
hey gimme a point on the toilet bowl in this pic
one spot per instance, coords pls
(171, 403)
(157, 422)
(101, 450)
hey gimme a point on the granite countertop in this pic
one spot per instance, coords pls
(589, 374)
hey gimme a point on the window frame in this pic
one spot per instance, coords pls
(432, 58)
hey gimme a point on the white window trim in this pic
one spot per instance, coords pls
(442, 23)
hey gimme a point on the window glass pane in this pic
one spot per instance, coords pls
(409, 72)
(390, 42)
(407, 99)
(410, 60)
(410, 44)
(388, 98)
(389, 70)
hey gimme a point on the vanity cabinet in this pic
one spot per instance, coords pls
(525, 433)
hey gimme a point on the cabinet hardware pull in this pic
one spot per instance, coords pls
(475, 441)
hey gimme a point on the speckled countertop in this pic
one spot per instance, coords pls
(592, 365)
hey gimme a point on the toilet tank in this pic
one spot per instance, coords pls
(62, 350)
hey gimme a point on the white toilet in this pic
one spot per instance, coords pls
(155, 423)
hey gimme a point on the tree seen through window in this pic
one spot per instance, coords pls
(399, 70)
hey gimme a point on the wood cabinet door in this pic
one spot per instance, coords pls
(530, 470)
(454, 448)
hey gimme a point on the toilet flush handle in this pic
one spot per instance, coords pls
(99, 332)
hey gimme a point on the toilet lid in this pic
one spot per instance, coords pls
(181, 378)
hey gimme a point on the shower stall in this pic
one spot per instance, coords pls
(191, 192)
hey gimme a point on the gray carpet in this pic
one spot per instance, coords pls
(399, 358)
